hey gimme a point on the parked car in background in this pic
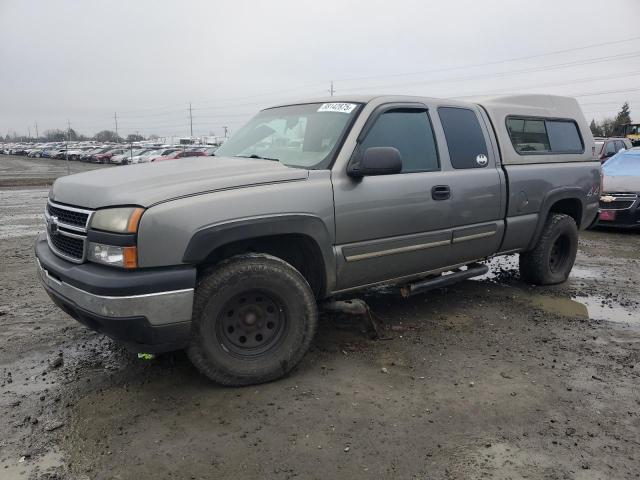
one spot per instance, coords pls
(35, 152)
(606, 147)
(89, 155)
(105, 157)
(126, 156)
(620, 199)
(163, 152)
(144, 157)
(180, 154)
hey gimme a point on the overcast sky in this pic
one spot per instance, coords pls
(83, 61)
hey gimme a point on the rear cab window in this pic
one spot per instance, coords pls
(465, 139)
(531, 136)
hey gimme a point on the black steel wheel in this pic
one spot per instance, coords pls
(560, 253)
(251, 323)
(551, 260)
(254, 317)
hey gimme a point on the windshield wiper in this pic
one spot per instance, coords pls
(253, 155)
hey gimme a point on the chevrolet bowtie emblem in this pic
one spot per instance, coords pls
(607, 198)
(53, 226)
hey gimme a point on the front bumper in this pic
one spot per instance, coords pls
(624, 217)
(147, 310)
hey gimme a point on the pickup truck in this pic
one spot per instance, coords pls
(229, 256)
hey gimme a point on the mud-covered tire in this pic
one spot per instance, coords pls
(552, 259)
(254, 318)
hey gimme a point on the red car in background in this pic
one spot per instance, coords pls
(105, 157)
(180, 154)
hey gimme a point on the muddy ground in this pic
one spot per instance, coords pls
(24, 171)
(490, 378)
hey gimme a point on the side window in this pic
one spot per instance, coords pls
(528, 135)
(410, 132)
(619, 145)
(533, 135)
(464, 136)
(564, 137)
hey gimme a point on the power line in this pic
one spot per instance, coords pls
(507, 73)
(592, 94)
(496, 62)
(551, 84)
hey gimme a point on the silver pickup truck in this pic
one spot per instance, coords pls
(229, 256)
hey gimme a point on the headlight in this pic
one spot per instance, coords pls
(118, 220)
(125, 257)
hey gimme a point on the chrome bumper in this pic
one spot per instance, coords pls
(160, 308)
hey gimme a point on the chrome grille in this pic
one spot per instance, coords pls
(617, 201)
(70, 217)
(67, 231)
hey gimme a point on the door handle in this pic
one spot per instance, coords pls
(440, 192)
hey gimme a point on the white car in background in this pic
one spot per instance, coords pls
(126, 156)
(161, 153)
(143, 157)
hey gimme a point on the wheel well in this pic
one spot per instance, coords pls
(569, 206)
(300, 251)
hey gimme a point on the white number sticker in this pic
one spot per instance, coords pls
(337, 107)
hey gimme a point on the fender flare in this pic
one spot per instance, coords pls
(210, 237)
(550, 198)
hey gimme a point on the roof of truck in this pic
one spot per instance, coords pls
(534, 100)
(498, 108)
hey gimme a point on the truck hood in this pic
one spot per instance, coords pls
(620, 184)
(150, 183)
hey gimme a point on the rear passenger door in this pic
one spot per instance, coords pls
(476, 181)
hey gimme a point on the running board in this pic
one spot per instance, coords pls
(473, 270)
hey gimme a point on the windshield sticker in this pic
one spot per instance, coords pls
(337, 107)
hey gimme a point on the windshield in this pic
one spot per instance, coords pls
(623, 164)
(297, 135)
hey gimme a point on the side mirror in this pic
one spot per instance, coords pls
(377, 161)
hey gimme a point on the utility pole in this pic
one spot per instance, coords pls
(226, 129)
(29, 130)
(37, 136)
(66, 150)
(191, 119)
(115, 118)
(331, 89)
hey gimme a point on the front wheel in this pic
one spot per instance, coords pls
(253, 320)
(552, 259)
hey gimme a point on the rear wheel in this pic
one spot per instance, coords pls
(552, 259)
(254, 318)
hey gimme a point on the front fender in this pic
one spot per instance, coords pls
(209, 238)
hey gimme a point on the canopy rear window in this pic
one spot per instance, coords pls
(531, 136)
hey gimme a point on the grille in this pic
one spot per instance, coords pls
(69, 246)
(67, 230)
(621, 201)
(69, 217)
(616, 205)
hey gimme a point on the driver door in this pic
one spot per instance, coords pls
(392, 226)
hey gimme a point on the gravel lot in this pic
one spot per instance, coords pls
(490, 378)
